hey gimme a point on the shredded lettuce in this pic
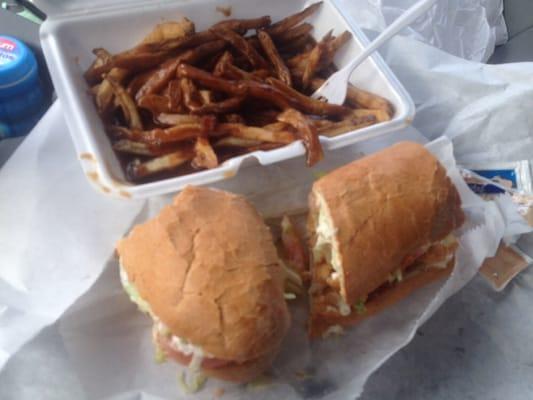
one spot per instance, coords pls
(160, 356)
(399, 276)
(343, 307)
(360, 307)
(334, 330)
(194, 385)
(319, 174)
(133, 294)
(396, 276)
(260, 382)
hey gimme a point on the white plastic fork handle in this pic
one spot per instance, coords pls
(401, 22)
(404, 20)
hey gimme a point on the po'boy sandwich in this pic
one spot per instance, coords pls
(380, 227)
(207, 272)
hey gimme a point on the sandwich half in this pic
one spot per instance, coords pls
(380, 227)
(207, 272)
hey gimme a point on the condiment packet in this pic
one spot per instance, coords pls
(490, 181)
(493, 179)
(508, 262)
(500, 177)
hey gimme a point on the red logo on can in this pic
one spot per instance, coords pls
(7, 45)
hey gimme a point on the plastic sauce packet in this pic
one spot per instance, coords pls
(506, 176)
(508, 262)
(493, 179)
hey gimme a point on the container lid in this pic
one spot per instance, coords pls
(65, 8)
(16, 61)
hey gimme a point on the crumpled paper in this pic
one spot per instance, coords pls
(465, 28)
(57, 233)
(484, 109)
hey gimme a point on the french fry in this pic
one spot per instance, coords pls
(177, 119)
(225, 59)
(288, 49)
(104, 95)
(156, 104)
(261, 117)
(329, 47)
(243, 25)
(170, 46)
(163, 75)
(222, 107)
(269, 47)
(235, 118)
(206, 96)
(254, 42)
(142, 149)
(313, 60)
(170, 30)
(205, 156)
(306, 104)
(173, 134)
(211, 81)
(294, 33)
(241, 45)
(255, 133)
(173, 92)
(232, 72)
(361, 98)
(305, 131)
(335, 44)
(292, 20)
(127, 105)
(136, 61)
(232, 141)
(137, 170)
(268, 93)
(380, 115)
(277, 126)
(137, 82)
(191, 97)
(294, 248)
(101, 65)
(331, 129)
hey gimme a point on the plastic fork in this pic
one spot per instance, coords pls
(334, 89)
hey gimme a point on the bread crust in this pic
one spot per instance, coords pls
(385, 207)
(210, 272)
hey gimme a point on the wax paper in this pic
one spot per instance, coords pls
(107, 341)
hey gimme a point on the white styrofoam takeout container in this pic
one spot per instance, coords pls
(77, 27)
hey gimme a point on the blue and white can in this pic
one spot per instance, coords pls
(21, 94)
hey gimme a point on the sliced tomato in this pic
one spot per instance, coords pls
(293, 245)
(207, 363)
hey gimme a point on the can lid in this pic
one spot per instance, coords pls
(16, 61)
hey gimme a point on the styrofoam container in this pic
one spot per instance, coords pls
(69, 36)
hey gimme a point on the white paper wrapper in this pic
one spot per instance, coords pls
(57, 233)
(107, 341)
(483, 109)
